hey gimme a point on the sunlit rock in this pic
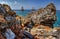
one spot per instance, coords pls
(44, 14)
(2, 20)
(40, 22)
(7, 8)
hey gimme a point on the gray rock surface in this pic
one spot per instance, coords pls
(44, 16)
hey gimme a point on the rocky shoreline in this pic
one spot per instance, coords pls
(36, 25)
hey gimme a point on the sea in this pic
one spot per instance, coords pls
(24, 13)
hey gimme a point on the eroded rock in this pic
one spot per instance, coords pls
(44, 16)
(41, 20)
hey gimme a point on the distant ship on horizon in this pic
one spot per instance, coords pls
(33, 9)
(22, 8)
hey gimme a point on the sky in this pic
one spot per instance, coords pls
(28, 4)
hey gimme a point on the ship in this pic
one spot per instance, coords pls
(33, 9)
(22, 8)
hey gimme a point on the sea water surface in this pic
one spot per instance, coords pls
(24, 13)
(57, 23)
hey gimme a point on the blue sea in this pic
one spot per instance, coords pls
(24, 13)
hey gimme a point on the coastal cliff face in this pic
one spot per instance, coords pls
(7, 16)
(38, 19)
(45, 16)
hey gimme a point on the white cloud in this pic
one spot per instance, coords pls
(4, 2)
(15, 2)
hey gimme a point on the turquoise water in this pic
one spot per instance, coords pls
(24, 13)
(57, 23)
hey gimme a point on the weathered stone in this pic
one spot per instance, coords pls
(2, 10)
(52, 7)
(45, 16)
(42, 19)
(7, 8)
(2, 36)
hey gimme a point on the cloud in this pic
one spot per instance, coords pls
(15, 2)
(3, 2)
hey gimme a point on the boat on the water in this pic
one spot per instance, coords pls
(22, 8)
(33, 9)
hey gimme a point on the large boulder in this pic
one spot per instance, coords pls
(52, 7)
(45, 16)
(2, 10)
(7, 7)
(7, 15)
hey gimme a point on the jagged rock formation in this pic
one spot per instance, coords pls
(38, 17)
(45, 16)
(7, 8)
(7, 16)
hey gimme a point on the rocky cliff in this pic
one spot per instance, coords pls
(45, 16)
(40, 18)
(7, 16)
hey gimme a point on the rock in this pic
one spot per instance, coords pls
(12, 13)
(7, 15)
(58, 33)
(45, 16)
(52, 7)
(28, 35)
(2, 10)
(7, 8)
(2, 20)
(9, 34)
(40, 30)
(40, 21)
(2, 36)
